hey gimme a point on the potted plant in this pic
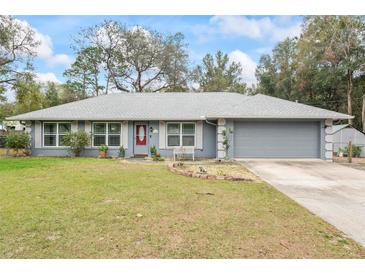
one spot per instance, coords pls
(103, 150)
(153, 151)
(122, 152)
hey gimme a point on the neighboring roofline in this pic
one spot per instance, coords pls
(346, 126)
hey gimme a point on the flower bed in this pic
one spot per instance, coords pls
(213, 171)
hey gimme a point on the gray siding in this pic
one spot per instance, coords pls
(88, 152)
(342, 137)
(208, 151)
(264, 139)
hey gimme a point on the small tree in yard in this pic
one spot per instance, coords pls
(76, 141)
(17, 141)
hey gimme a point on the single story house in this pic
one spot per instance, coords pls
(342, 134)
(257, 126)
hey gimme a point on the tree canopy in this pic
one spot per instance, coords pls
(17, 49)
(323, 66)
(219, 74)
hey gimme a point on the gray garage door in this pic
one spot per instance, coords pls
(276, 140)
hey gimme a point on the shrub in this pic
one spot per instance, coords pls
(226, 141)
(153, 151)
(103, 148)
(356, 151)
(76, 141)
(17, 141)
(158, 159)
(122, 151)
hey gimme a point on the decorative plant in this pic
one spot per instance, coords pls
(17, 141)
(356, 151)
(153, 151)
(157, 157)
(226, 141)
(103, 150)
(122, 151)
(76, 142)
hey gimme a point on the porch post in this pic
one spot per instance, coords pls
(221, 153)
(328, 137)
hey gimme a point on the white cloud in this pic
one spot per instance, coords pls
(47, 77)
(264, 50)
(59, 59)
(45, 49)
(274, 29)
(248, 66)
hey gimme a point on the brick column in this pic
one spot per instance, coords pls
(221, 153)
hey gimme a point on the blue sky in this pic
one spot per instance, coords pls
(244, 38)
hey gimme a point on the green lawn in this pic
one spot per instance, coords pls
(94, 208)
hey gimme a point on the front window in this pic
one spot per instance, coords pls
(188, 135)
(53, 133)
(181, 134)
(106, 134)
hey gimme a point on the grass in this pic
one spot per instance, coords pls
(94, 208)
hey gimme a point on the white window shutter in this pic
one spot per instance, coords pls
(88, 130)
(162, 134)
(74, 126)
(125, 134)
(199, 135)
(37, 134)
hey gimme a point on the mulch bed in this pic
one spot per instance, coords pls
(177, 168)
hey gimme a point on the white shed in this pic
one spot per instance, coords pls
(342, 134)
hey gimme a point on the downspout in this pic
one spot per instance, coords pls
(210, 123)
(206, 120)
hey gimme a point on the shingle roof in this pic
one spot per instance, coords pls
(179, 106)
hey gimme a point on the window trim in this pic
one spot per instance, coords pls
(180, 134)
(106, 134)
(57, 133)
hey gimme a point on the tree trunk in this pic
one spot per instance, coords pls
(349, 94)
(363, 113)
(96, 84)
(84, 86)
(107, 84)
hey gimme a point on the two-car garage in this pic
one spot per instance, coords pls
(267, 139)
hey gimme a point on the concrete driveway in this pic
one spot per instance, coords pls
(332, 191)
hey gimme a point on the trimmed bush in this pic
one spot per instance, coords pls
(76, 141)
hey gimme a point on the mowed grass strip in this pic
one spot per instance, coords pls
(94, 208)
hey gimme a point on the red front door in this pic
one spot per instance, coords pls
(141, 135)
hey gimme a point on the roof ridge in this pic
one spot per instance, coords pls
(297, 102)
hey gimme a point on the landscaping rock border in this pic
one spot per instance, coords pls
(174, 167)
